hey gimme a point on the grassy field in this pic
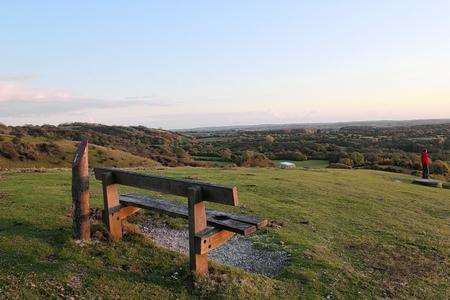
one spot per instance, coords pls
(350, 233)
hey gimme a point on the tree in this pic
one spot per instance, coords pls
(225, 154)
(358, 158)
(254, 159)
(269, 139)
(181, 153)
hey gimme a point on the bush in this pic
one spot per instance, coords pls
(416, 163)
(181, 153)
(269, 139)
(346, 161)
(51, 149)
(339, 166)
(8, 150)
(358, 158)
(255, 159)
(291, 155)
(439, 167)
(225, 154)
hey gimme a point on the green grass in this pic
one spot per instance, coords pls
(350, 233)
(213, 161)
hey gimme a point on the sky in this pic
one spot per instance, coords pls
(184, 64)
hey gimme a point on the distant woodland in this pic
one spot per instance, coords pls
(395, 149)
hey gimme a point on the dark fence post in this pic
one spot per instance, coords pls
(80, 193)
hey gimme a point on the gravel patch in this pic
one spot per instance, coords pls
(237, 252)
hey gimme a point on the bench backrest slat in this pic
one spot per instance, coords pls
(179, 187)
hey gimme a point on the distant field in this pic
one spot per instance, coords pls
(313, 164)
(350, 234)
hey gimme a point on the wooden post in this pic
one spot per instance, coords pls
(197, 223)
(111, 213)
(80, 193)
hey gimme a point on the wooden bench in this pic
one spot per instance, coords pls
(208, 229)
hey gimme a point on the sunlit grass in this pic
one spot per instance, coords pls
(350, 233)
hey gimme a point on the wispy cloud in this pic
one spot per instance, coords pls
(26, 108)
(17, 91)
(20, 100)
(17, 77)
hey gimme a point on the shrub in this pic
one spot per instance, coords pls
(372, 157)
(8, 150)
(439, 167)
(269, 139)
(339, 166)
(181, 153)
(416, 163)
(255, 159)
(50, 149)
(291, 155)
(346, 161)
(358, 158)
(225, 154)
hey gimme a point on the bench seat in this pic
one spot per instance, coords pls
(244, 225)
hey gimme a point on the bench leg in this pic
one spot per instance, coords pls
(197, 222)
(111, 200)
(80, 193)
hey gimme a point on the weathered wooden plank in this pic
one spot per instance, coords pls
(253, 220)
(80, 193)
(216, 219)
(197, 223)
(126, 211)
(179, 187)
(210, 239)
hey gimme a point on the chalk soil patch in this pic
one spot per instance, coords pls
(237, 252)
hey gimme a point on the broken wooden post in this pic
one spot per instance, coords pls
(80, 193)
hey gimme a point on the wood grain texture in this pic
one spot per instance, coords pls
(210, 192)
(111, 201)
(81, 227)
(210, 239)
(127, 211)
(197, 223)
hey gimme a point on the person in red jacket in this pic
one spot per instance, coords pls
(425, 164)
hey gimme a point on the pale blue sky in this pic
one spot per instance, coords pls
(201, 63)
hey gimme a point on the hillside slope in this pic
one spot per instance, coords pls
(350, 234)
(39, 145)
(98, 155)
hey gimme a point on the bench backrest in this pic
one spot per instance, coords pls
(209, 192)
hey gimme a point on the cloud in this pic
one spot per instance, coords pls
(19, 77)
(16, 91)
(27, 108)
(19, 100)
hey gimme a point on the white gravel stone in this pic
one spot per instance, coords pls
(238, 251)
